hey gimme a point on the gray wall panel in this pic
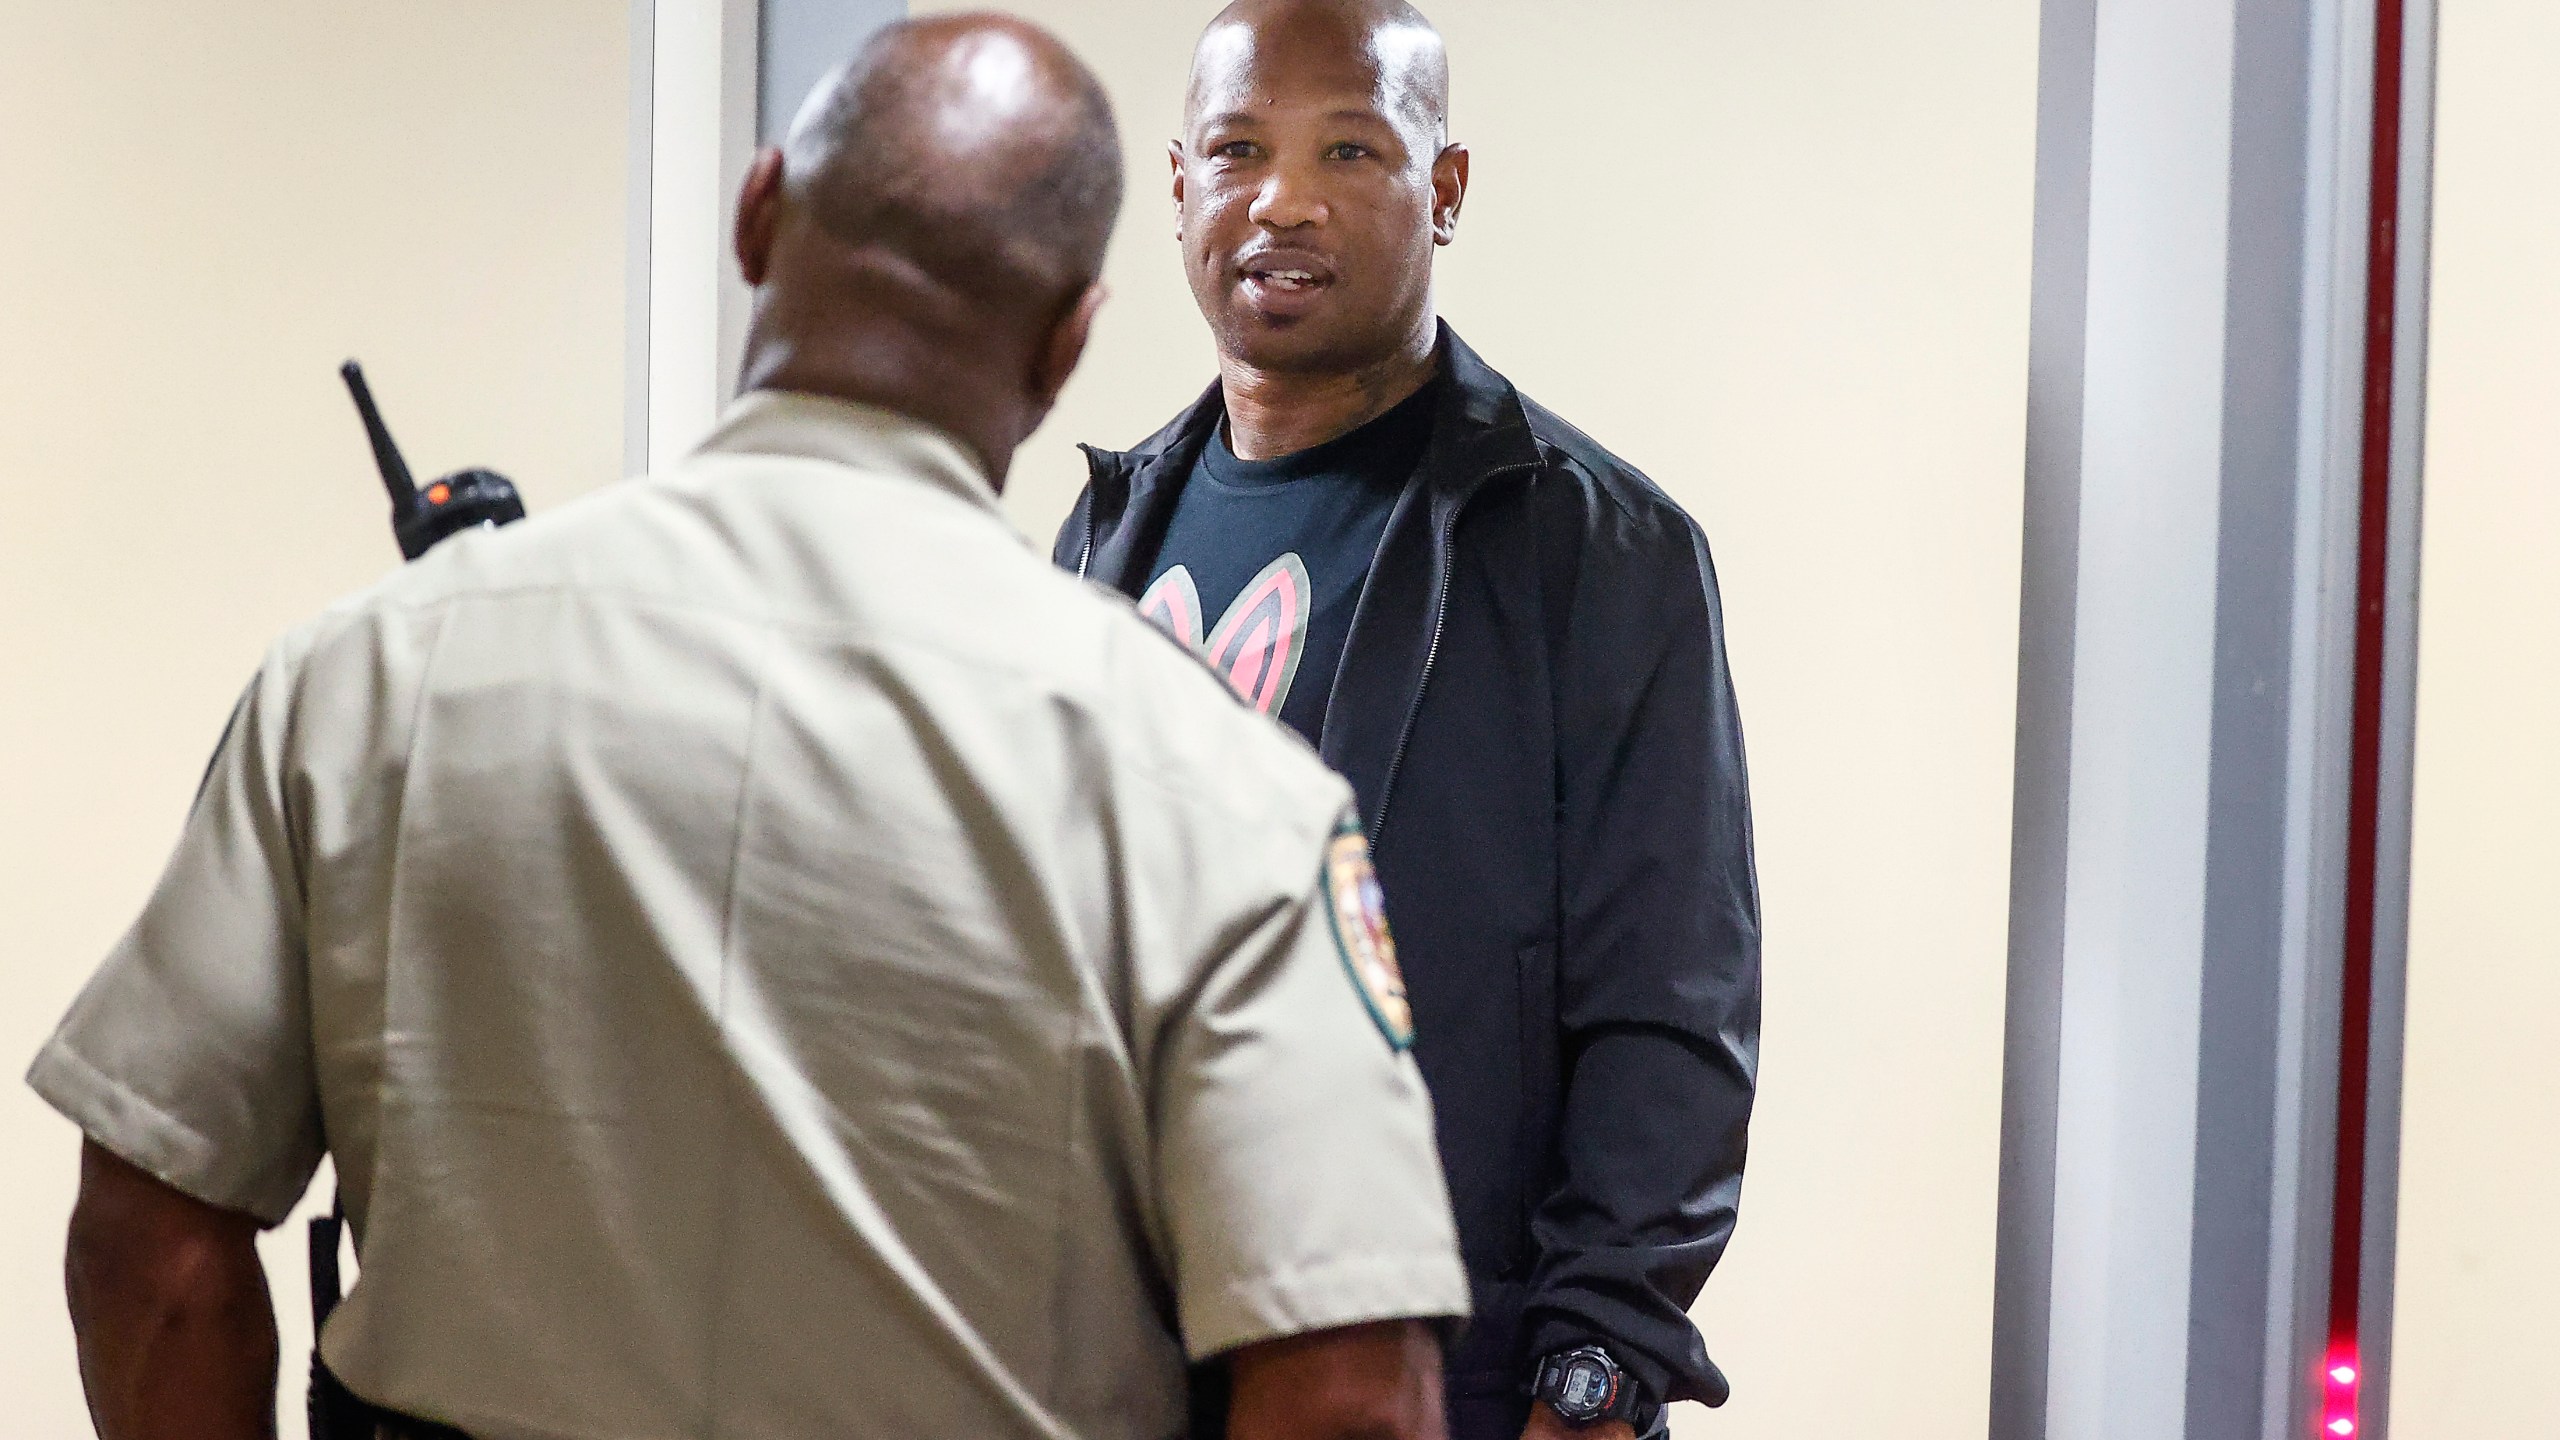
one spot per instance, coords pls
(804, 39)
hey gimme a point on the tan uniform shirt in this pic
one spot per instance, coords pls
(773, 958)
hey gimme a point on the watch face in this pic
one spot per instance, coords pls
(1587, 1389)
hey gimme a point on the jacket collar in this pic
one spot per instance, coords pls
(1481, 430)
(864, 437)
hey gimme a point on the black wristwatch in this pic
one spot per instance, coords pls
(1585, 1387)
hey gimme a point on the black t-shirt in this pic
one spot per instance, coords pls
(1264, 560)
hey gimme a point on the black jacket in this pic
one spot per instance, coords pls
(1534, 709)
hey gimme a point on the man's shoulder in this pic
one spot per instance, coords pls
(1567, 468)
(469, 562)
(1181, 726)
(770, 538)
(337, 667)
(951, 591)
(1569, 454)
(1613, 520)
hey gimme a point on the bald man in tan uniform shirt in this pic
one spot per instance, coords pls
(679, 931)
(771, 957)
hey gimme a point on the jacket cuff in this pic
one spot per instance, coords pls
(1551, 1332)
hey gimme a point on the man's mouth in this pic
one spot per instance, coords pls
(1286, 279)
(1284, 285)
(1287, 271)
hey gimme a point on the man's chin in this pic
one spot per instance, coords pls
(1297, 345)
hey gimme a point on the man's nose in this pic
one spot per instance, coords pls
(1288, 199)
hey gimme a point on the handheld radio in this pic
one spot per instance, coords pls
(419, 520)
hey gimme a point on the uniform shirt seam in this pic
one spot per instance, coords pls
(1062, 1237)
(860, 638)
(724, 1229)
(391, 912)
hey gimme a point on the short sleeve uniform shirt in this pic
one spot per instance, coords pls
(772, 957)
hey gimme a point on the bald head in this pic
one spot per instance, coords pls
(929, 238)
(1398, 50)
(976, 148)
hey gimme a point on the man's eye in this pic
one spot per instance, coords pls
(1346, 151)
(1234, 150)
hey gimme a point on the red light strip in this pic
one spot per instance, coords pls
(2364, 795)
(2340, 1375)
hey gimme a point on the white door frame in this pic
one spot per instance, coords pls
(710, 80)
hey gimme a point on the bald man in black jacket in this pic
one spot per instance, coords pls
(1510, 641)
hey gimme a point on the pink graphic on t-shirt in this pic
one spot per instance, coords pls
(1173, 603)
(1260, 639)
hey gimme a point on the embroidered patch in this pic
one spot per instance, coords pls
(1359, 912)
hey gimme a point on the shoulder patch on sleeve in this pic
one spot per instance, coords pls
(1358, 910)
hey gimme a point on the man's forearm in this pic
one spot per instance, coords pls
(1655, 1123)
(177, 1337)
(1365, 1382)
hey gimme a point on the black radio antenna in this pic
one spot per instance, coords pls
(386, 452)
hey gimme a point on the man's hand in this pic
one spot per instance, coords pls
(1363, 1382)
(169, 1304)
(1546, 1424)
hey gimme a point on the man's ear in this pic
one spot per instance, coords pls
(1173, 152)
(759, 215)
(1060, 353)
(1448, 193)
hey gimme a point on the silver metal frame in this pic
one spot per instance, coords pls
(2173, 1017)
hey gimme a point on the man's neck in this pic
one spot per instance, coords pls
(922, 382)
(863, 325)
(1272, 413)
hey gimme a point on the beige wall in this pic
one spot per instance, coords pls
(1775, 254)
(203, 208)
(2480, 1190)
